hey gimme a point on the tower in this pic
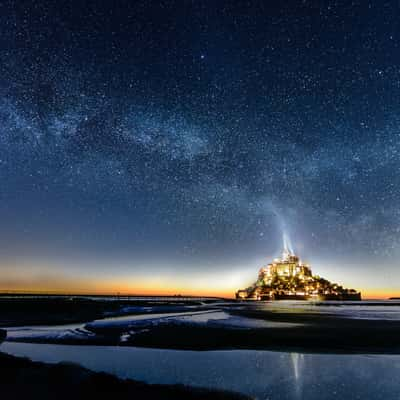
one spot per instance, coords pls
(287, 248)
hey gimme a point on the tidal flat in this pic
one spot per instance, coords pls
(320, 327)
(265, 350)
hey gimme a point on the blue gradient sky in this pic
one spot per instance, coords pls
(166, 147)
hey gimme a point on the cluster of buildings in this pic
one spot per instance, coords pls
(289, 278)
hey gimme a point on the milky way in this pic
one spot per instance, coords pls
(200, 130)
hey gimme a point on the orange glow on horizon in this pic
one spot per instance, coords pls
(46, 280)
(155, 290)
(113, 289)
(122, 292)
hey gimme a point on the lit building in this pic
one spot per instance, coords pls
(287, 266)
(289, 278)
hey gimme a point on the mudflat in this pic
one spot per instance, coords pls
(354, 328)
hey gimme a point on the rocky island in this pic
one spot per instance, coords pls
(288, 278)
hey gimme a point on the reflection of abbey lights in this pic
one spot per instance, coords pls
(289, 278)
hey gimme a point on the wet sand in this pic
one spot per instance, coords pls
(338, 336)
(299, 327)
(59, 310)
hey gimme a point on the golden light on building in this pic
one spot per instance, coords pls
(289, 278)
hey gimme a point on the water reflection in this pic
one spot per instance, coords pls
(297, 364)
(262, 374)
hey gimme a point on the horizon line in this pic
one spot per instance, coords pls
(5, 292)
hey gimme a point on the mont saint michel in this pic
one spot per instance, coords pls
(289, 278)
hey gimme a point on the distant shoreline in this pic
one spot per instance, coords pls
(177, 297)
(116, 295)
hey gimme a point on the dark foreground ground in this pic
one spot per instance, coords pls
(21, 378)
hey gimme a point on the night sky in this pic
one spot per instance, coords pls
(166, 147)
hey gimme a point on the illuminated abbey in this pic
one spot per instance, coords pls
(289, 278)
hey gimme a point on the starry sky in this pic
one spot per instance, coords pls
(166, 146)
